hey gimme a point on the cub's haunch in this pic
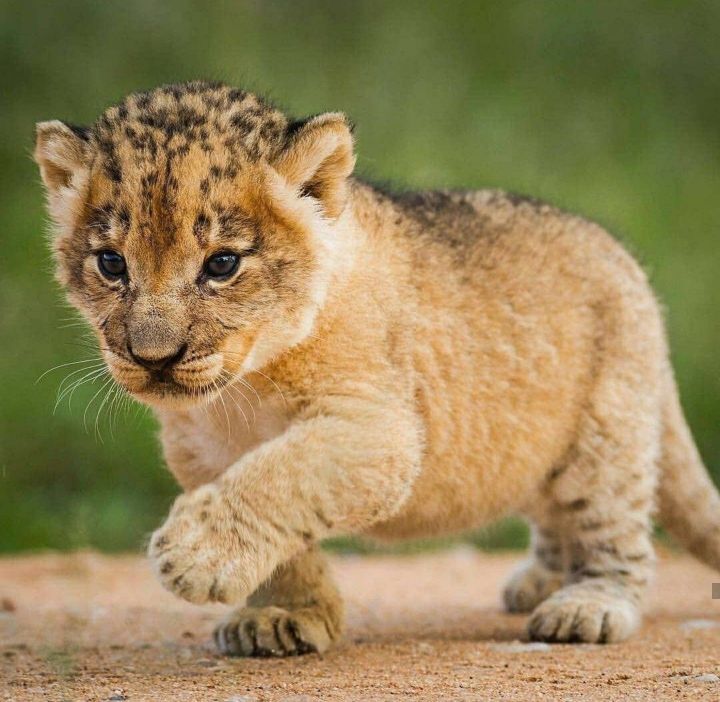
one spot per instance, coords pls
(328, 358)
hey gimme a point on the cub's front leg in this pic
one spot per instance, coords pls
(339, 467)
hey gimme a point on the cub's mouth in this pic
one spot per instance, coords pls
(181, 381)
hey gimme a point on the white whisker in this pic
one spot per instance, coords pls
(63, 365)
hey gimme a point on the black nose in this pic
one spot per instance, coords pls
(159, 364)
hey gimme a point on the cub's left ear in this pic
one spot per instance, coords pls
(318, 160)
(62, 152)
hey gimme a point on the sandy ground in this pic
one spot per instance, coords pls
(93, 627)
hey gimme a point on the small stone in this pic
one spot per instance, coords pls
(207, 663)
(693, 624)
(706, 678)
(7, 605)
(520, 647)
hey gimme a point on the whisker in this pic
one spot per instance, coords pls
(63, 365)
(69, 391)
(237, 404)
(251, 387)
(98, 434)
(89, 370)
(227, 417)
(277, 387)
(92, 399)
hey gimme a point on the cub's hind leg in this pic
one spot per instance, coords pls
(603, 494)
(299, 610)
(608, 538)
(541, 574)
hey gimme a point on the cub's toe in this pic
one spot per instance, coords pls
(272, 631)
(578, 615)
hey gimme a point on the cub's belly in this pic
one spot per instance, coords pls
(475, 477)
(451, 498)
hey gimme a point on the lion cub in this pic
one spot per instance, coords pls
(326, 358)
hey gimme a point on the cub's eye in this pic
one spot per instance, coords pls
(221, 265)
(111, 264)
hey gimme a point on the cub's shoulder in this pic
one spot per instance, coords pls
(460, 219)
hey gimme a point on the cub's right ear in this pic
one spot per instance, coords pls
(62, 152)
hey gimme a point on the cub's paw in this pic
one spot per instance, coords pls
(195, 553)
(273, 631)
(530, 585)
(584, 613)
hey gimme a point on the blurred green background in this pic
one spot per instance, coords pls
(607, 108)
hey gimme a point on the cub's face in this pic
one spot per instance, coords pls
(194, 230)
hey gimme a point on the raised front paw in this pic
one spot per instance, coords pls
(584, 613)
(199, 553)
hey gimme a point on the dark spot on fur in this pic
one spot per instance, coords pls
(201, 227)
(232, 220)
(594, 525)
(214, 591)
(242, 122)
(556, 472)
(517, 199)
(607, 548)
(113, 170)
(577, 505)
(294, 127)
(123, 216)
(81, 132)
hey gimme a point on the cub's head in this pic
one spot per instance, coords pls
(194, 229)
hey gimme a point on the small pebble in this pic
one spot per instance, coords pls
(7, 605)
(692, 624)
(706, 678)
(519, 647)
(207, 663)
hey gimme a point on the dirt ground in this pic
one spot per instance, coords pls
(94, 627)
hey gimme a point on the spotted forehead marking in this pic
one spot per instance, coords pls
(148, 137)
(227, 122)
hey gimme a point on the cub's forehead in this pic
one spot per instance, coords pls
(170, 159)
(169, 121)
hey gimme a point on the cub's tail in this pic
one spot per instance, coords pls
(689, 502)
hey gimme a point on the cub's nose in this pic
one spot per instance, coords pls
(158, 363)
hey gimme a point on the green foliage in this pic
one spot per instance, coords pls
(604, 107)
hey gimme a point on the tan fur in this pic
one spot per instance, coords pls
(390, 365)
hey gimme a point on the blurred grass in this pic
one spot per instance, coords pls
(608, 108)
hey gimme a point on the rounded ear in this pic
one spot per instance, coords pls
(62, 153)
(318, 159)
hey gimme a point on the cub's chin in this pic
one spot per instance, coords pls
(168, 393)
(173, 396)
